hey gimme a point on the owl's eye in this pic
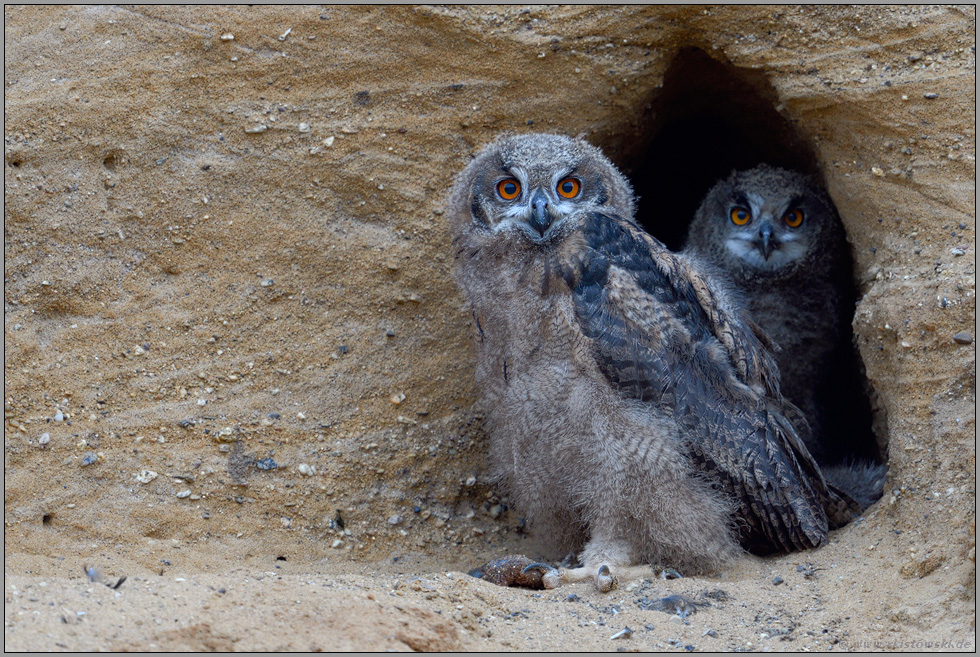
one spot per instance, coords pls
(569, 187)
(509, 189)
(740, 216)
(793, 218)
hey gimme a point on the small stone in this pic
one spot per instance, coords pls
(777, 580)
(495, 511)
(674, 618)
(470, 481)
(398, 398)
(304, 127)
(877, 171)
(267, 283)
(89, 459)
(226, 435)
(266, 464)
(337, 543)
(394, 520)
(202, 402)
(146, 476)
(227, 37)
(184, 493)
(59, 416)
(257, 129)
(390, 333)
(930, 96)
(328, 141)
(44, 439)
(306, 469)
(963, 338)
(957, 251)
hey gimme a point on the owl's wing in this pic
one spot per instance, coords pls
(663, 335)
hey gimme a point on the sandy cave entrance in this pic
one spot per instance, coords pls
(707, 119)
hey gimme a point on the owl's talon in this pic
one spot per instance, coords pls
(604, 580)
(537, 565)
(551, 577)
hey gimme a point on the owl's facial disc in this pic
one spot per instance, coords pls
(538, 207)
(761, 239)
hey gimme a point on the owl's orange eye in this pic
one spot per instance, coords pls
(793, 218)
(740, 216)
(569, 187)
(509, 189)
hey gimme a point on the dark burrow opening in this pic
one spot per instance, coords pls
(708, 119)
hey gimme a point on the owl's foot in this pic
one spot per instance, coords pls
(552, 578)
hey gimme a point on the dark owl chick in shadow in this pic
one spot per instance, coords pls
(633, 410)
(776, 237)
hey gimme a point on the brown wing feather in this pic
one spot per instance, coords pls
(663, 334)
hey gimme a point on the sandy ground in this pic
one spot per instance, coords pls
(223, 254)
(387, 607)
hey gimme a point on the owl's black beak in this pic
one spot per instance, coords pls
(540, 219)
(766, 241)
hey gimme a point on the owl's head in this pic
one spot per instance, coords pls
(535, 188)
(765, 219)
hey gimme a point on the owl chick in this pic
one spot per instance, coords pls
(777, 238)
(632, 409)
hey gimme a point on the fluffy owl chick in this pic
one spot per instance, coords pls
(632, 409)
(776, 236)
